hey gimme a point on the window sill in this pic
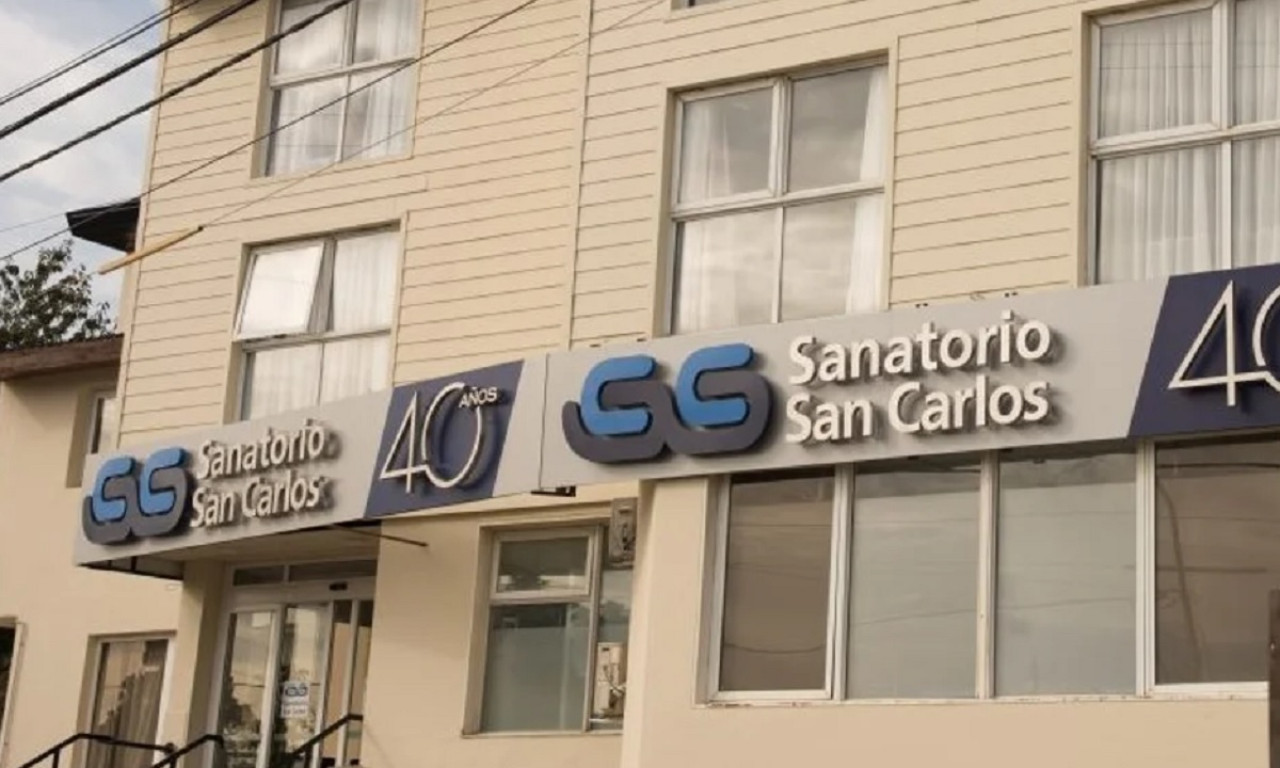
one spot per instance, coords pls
(262, 179)
(1156, 697)
(541, 734)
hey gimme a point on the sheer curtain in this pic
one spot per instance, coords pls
(727, 271)
(1255, 199)
(364, 280)
(725, 145)
(385, 29)
(377, 117)
(282, 380)
(1156, 74)
(311, 142)
(1257, 61)
(354, 367)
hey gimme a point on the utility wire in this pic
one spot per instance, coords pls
(129, 65)
(157, 187)
(106, 46)
(188, 85)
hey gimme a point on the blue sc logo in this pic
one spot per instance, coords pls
(126, 503)
(626, 414)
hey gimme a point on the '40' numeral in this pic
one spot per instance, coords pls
(418, 458)
(1224, 312)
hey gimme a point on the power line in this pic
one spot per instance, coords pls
(106, 46)
(129, 65)
(193, 82)
(157, 187)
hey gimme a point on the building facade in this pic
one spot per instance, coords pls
(582, 382)
(81, 651)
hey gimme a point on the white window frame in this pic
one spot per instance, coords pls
(834, 692)
(97, 646)
(321, 296)
(775, 197)
(596, 549)
(1221, 132)
(276, 82)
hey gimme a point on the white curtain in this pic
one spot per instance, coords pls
(313, 141)
(355, 367)
(868, 258)
(1255, 202)
(725, 145)
(281, 380)
(1156, 74)
(314, 48)
(378, 117)
(385, 29)
(1158, 214)
(873, 144)
(364, 281)
(727, 271)
(1257, 61)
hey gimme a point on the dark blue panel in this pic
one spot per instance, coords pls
(434, 457)
(1190, 302)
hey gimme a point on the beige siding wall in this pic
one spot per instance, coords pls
(61, 610)
(532, 201)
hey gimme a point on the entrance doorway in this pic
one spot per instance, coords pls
(296, 658)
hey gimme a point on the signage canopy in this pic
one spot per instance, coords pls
(1191, 354)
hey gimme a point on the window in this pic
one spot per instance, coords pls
(334, 56)
(315, 321)
(1186, 139)
(1217, 557)
(102, 434)
(557, 630)
(9, 641)
(778, 200)
(869, 582)
(128, 684)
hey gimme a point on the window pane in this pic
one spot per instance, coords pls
(355, 367)
(1257, 64)
(386, 29)
(1156, 74)
(378, 116)
(913, 622)
(301, 661)
(1217, 557)
(8, 644)
(280, 380)
(1066, 578)
(313, 140)
(318, 46)
(831, 257)
(1255, 201)
(104, 426)
(726, 269)
(535, 673)
(608, 699)
(543, 564)
(837, 133)
(724, 145)
(364, 282)
(244, 683)
(279, 291)
(127, 701)
(776, 583)
(1158, 215)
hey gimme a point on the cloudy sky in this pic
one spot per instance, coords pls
(38, 36)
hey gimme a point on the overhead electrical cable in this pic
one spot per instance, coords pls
(128, 66)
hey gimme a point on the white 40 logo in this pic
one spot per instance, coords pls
(417, 436)
(1225, 312)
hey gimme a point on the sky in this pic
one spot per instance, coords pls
(38, 36)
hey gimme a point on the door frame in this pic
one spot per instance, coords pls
(275, 598)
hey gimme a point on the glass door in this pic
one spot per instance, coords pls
(291, 671)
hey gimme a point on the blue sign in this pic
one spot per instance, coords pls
(443, 440)
(719, 405)
(127, 504)
(1213, 363)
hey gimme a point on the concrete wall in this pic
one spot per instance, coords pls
(428, 613)
(667, 726)
(61, 608)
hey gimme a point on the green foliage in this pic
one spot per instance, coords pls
(50, 302)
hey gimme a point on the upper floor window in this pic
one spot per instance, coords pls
(778, 200)
(1186, 139)
(102, 426)
(329, 59)
(315, 321)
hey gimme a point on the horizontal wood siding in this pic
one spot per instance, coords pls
(532, 202)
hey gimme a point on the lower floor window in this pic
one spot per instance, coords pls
(128, 684)
(1000, 575)
(558, 619)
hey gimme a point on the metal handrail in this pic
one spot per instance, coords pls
(54, 753)
(284, 761)
(209, 738)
